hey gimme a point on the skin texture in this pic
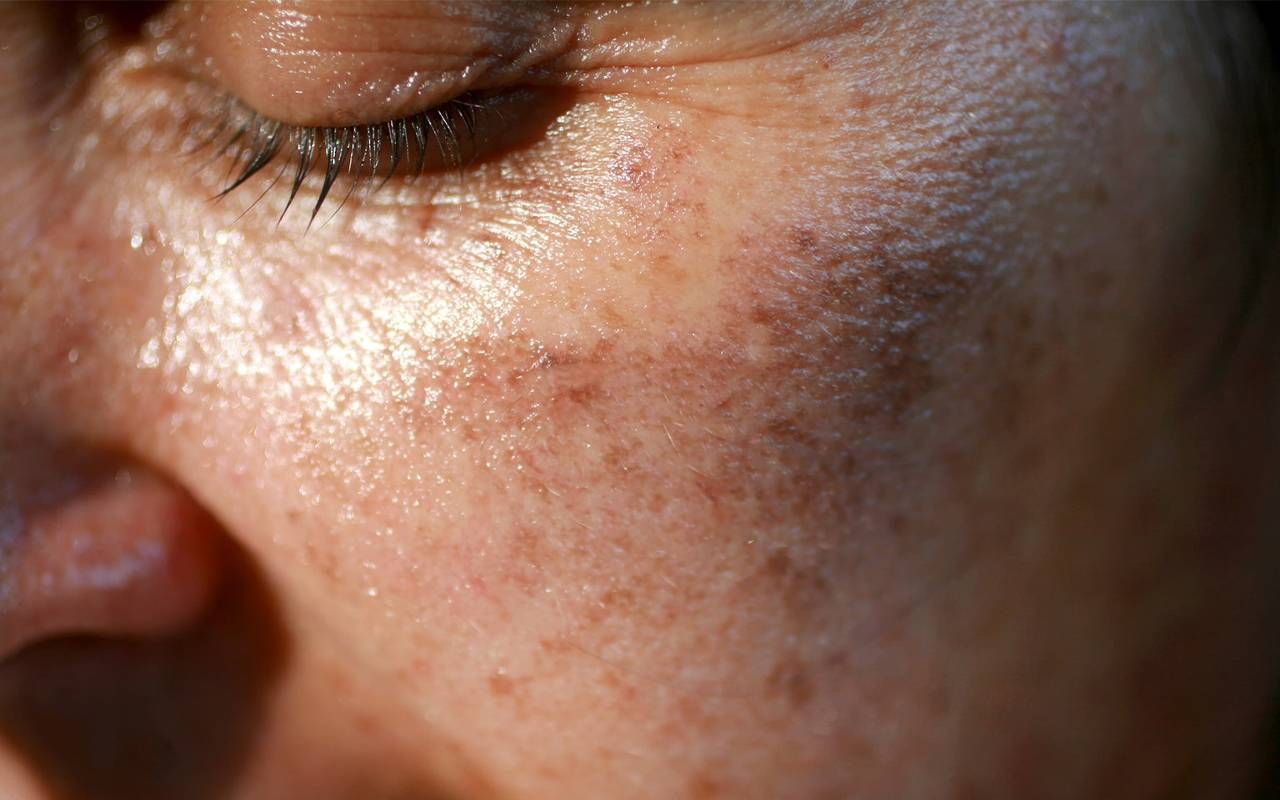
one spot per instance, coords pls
(817, 403)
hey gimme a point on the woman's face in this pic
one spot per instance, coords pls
(801, 401)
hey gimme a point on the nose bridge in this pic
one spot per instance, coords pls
(75, 309)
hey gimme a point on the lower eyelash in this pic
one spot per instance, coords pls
(254, 141)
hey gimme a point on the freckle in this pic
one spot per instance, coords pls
(602, 349)
(635, 168)
(625, 691)
(582, 394)
(323, 560)
(788, 430)
(367, 725)
(618, 599)
(703, 787)
(658, 502)
(341, 685)
(566, 357)
(615, 458)
(799, 689)
(611, 317)
(1101, 197)
(764, 316)
(717, 492)
(692, 714)
(500, 685)
(1057, 265)
(802, 239)
(554, 645)
(988, 334)
(778, 565)
(419, 668)
(1096, 283)
(791, 680)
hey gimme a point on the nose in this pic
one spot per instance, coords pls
(100, 546)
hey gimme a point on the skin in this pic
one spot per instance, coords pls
(823, 403)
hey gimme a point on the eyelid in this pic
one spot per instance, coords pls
(337, 63)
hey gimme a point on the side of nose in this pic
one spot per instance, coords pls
(109, 549)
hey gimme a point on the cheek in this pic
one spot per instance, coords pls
(637, 433)
(625, 406)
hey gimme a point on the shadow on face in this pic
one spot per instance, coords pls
(160, 719)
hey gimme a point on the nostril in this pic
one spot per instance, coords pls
(165, 696)
(120, 553)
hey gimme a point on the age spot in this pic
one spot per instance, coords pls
(791, 680)
(501, 684)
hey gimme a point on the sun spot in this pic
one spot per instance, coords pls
(704, 787)
(791, 680)
(501, 684)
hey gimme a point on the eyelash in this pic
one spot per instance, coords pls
(253, 142)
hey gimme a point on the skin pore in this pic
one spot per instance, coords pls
(800, 401)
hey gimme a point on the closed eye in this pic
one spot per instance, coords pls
(368, 154)
(327, 162)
